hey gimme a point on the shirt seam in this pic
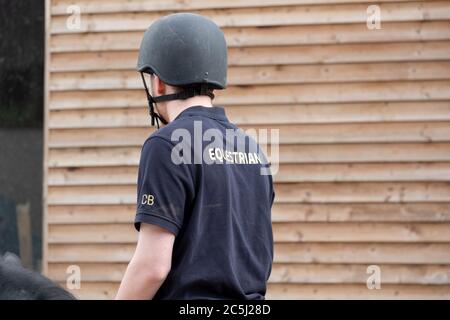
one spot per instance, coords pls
(203, 113)
(161, 138)
(173, 145)
(218, 118)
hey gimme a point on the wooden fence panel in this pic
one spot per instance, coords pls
(364, 121)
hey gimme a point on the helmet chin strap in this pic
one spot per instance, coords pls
(189, 92)
(151, 102)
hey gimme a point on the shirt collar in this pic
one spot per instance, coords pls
(217, 113)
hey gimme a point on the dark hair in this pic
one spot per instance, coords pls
(18, 283)
(196, 87)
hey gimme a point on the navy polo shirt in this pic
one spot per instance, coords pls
(201, 178)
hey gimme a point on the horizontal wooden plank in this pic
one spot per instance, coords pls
(279, 74)
(94, 291)
(98, 233)
(91, 214)
(367, 253)
(273, 36)
(98, 118)
(114, 137)
(285, 55)
(365, 132)
(363, 192)
(361, 253)
(331, 53)
(94, 157)
(283, 232)
(338, 192)
(281, 212)
(108, 290)
(320, 73)
(340, 172)
(270, 94)
(362, 153)
(59, 7)
(364, 172)
(125, 194)
(339, 273)
(361, 232)
(91, 272)
(357, 292)
(92, 175)
(338, 113)
(287, 134)
(362, 212)
(354, 153)
(286, 273)
(264, 16)
(79, 253)
(264, 114)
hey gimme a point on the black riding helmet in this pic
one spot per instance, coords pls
(184, 50)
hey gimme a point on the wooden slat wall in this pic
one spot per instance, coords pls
(364, 119)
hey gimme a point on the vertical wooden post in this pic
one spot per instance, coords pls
(24, 232)
(46, 132)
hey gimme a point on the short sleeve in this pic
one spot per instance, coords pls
(165, 190)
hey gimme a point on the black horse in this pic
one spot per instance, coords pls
(18, 283)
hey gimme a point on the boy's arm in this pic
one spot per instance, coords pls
(150, 264)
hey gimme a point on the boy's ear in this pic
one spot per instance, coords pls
(161, 86)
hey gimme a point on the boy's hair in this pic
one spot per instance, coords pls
(18, 283)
